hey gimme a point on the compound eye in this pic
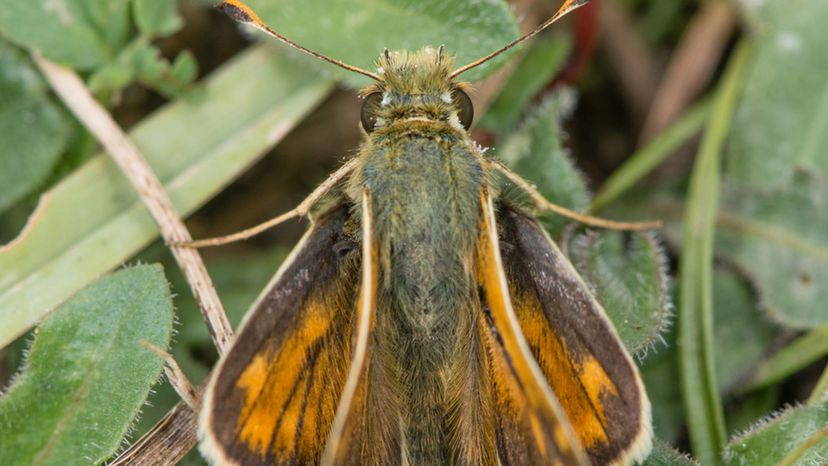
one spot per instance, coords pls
(370, 107)
(465, 109)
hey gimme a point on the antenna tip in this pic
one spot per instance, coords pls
(240, 12)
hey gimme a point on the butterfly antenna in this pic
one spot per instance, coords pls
(566, 8)
(243, 14)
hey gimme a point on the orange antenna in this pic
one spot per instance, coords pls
(567, 7)
(243, 14)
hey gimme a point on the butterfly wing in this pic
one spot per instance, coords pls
(575, 345)
(530, 425)
(347, 433)
(273, 397)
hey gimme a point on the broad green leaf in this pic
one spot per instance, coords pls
(742, 334)
(664, 455)
(781, 239)
(156, 17)
(357, 31)
(535, 151)
(87, 373)
(196, 146)
(627, 273)
(80, 33)
(783, 437)
(535, 70)
(781, 125)
(33, 130)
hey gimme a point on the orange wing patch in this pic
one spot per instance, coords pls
(279, 387)
(273, 398)
(575, 345)
(582, 402)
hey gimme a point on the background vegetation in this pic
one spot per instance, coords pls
(710, 115)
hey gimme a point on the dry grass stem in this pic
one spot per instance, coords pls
(99, 122)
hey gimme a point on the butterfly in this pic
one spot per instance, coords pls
(424, 318)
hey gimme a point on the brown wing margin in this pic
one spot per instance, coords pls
(575, 344)
(272, 399)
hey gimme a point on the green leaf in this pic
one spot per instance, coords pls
(87, 373)
(83, 34)
(111, 77)
(155, 72)
(143, 61)
(33, 130)
(781, 125)
(535, 70)
(664, 455)
(195, 146)
(781, 239)
(184, 68)
(535, 151)
(357, 31)
(705, 419)
(627, 273)
(773, 221)
(742, 334)
(782, 438)
(156, 17)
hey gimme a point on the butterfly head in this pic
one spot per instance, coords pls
(416, 86)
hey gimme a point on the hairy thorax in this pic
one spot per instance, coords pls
(424, 179)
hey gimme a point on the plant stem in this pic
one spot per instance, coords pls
(126, 155)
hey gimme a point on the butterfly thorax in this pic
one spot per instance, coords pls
(424, 176)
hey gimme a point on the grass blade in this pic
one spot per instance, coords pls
(801, 352)
(705, 418)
